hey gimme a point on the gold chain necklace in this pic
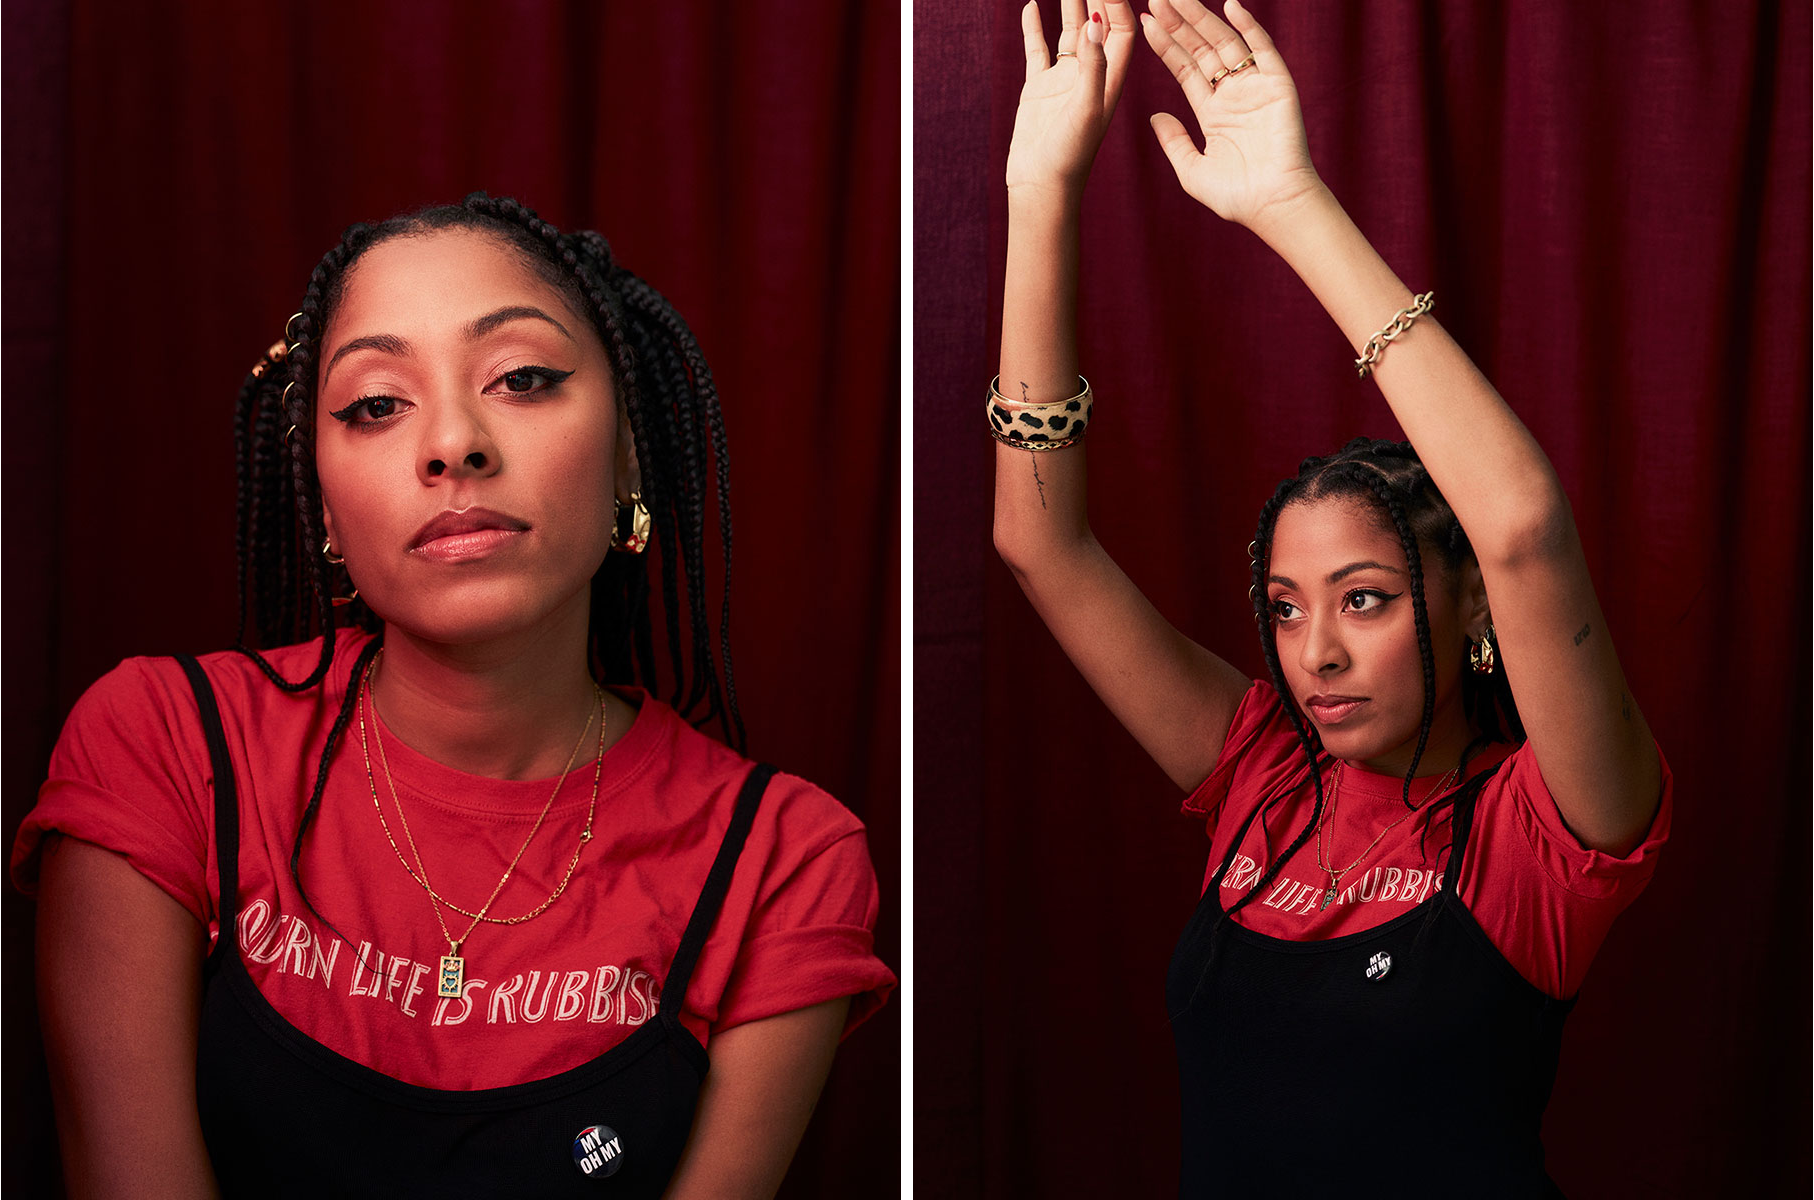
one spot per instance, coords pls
(1335, 877)
(453, 966)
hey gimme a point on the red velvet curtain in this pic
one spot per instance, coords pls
(172, 174)
(1611, 203)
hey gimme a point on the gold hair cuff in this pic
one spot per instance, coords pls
(274, 355)
(1027, 426)
(1376, 345)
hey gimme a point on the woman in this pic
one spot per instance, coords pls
(418, 902)
(1412, 861)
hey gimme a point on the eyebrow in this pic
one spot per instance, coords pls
(1342, 573)
(478, 328)
(391, 344)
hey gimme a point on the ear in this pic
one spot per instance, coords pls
(327, 523)
(627, 470)
(1476, 614)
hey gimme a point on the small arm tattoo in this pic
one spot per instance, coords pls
(1625, 706)
(1582, 636)
(1036, 479)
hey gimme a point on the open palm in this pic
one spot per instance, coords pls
(1067, 100)
(1255, 157)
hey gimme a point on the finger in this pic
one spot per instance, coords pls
(1072, 16)
(1179, 149)
(1092, 59)
(1035, 36)
(1178, 61)
(1229, 48)
(1181, 32)
(1118, 15)
(1266, 56)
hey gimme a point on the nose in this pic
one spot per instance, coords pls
(456, 444)
(1322, 651)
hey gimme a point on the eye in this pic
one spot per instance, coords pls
(368, 410)
(1284, 610)
(526, 381)
(1366, 600)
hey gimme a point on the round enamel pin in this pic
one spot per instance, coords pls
(598, 1151)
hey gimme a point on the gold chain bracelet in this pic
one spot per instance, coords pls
(1376, 345)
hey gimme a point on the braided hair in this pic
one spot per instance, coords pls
(1388, 478)
(286, 586)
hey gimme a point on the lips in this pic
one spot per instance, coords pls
(1327, 709)
(468, 533)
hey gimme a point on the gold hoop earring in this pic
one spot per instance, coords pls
(1481, 654)
(327, 552)
(642, 522)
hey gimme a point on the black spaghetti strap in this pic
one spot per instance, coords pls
(1462, 824)
(711, 897)
(226, 797)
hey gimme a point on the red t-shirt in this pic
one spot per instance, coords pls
(131, 774)
(1543, 899)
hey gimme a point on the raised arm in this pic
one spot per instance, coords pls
(1592, 745)
(119, 993)
(1175, 697)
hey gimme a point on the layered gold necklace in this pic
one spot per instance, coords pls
(453, 966)
(1335, 791)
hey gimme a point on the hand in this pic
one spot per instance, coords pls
(1255, 162)
(1067, 101)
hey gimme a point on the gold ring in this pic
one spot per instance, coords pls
(1064, 54)
(1222, 75)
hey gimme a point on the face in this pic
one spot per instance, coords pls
(467, 438)
(1340, 589)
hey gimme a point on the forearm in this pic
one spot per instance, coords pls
(1487, 464)
(1039, 295)
(1040, 496)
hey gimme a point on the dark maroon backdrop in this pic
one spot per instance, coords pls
(172, 173)
(1612, 205)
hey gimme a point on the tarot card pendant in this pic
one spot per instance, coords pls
(453, 974)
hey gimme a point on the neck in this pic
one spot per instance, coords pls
(1450, 734)
(508, 708)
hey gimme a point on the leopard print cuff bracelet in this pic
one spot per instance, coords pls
(1038, 427)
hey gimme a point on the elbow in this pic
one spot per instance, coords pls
(1036, 551)
(1018, 551)
(1010, 543)
(1532, 529)
(1021, 538)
